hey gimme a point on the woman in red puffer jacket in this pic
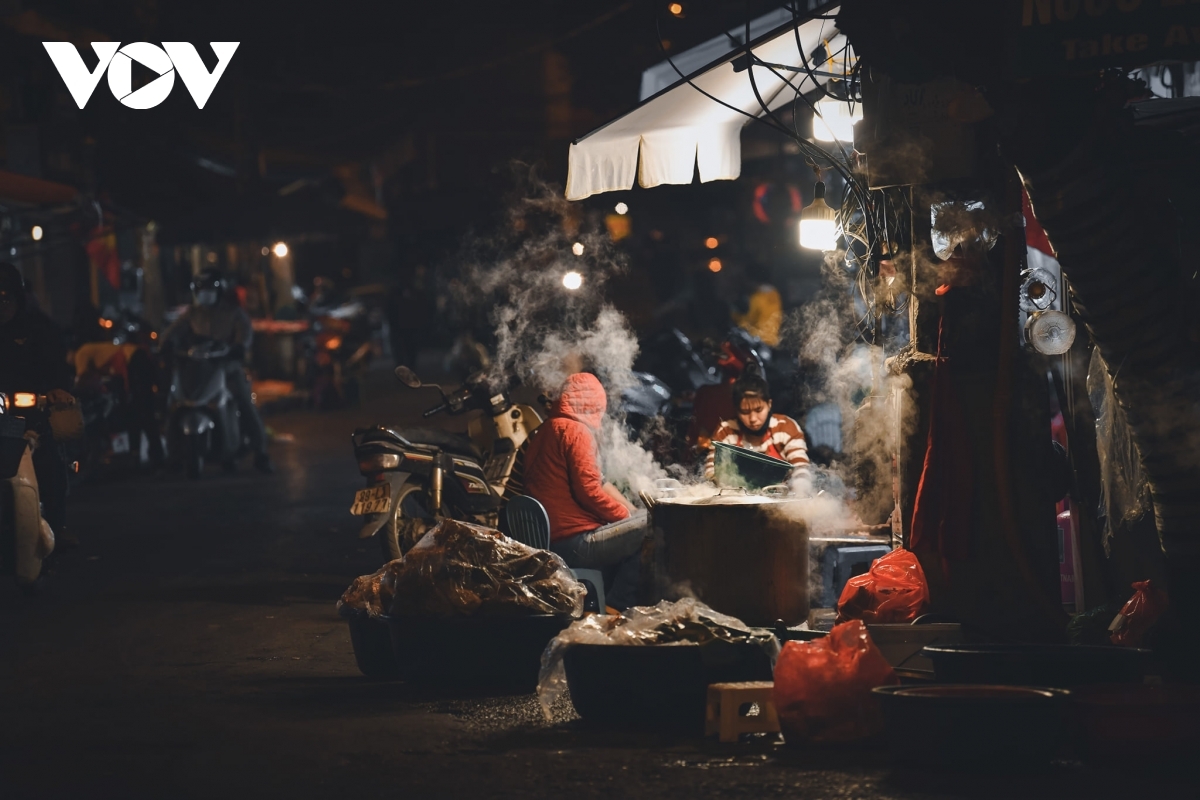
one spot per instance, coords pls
(592, 525)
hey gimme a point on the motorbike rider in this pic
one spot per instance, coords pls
(33, 358)
(216, 315)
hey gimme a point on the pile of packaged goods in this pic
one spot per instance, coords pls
(460, 569)
(680, 623)
(371, 593)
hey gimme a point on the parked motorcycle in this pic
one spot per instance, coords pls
(417, 476)
(203, 418)
(671, 356)
(25, 538)
(115, 383)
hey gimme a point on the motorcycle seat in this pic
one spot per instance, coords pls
(454, 443)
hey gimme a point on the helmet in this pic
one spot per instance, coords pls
(209, 287)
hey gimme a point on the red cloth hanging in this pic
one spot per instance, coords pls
(1035, 234)
(942, 512)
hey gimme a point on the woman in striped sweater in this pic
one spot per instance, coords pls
(756, 428)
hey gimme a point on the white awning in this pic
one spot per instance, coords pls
(678, 129)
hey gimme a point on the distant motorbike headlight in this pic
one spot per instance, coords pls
(24, 400)
(378, 463)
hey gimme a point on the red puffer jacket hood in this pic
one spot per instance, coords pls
(583, 400)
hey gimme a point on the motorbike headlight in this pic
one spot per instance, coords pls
(24, 400)
(378, 462)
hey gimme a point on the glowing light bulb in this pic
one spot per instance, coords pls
(36, 233)
(621, 208)
(714, 265)
(818, 223)
(572, 280)
(711, 243)
(280, 249)
(835, 120)
(676, 9)
(577, 248)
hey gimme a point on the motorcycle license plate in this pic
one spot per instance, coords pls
(372, 500)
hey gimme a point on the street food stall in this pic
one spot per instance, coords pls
(745, 553)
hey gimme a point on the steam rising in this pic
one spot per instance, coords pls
(545, 332)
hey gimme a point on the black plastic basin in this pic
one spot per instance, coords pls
(372, 645)
(658, 686)
(474, 653)
(1062, 666)
(974, 726)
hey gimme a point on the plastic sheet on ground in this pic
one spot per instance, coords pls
(459, 569)
(371, 593)
(683, 622)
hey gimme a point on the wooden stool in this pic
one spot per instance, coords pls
(724, 713)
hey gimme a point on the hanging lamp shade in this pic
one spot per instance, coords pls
(834, 120)
(818, 223)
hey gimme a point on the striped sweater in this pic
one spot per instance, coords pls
(783, 432)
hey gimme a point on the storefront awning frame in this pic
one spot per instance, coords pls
(695, 124)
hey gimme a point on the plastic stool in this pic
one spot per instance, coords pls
(724, 713)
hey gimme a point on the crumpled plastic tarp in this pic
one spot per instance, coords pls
(682, 622)
(371, 593)
(460, 569)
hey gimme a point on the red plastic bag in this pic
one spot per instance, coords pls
(1138, 615)
(823, 687)
(893, 590)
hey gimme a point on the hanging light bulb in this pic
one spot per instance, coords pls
(834, 121)
(1050, 332)
(818, 223)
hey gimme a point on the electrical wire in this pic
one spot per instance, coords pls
(864, 223)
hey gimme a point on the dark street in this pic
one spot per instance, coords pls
(816, 399)
(190, 648)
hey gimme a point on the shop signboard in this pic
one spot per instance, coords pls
(1061, 37)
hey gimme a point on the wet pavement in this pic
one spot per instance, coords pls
(190, 648)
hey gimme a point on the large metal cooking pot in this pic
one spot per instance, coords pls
(742, 555)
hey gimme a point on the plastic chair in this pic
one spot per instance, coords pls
(823, 425)
(528, 523)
